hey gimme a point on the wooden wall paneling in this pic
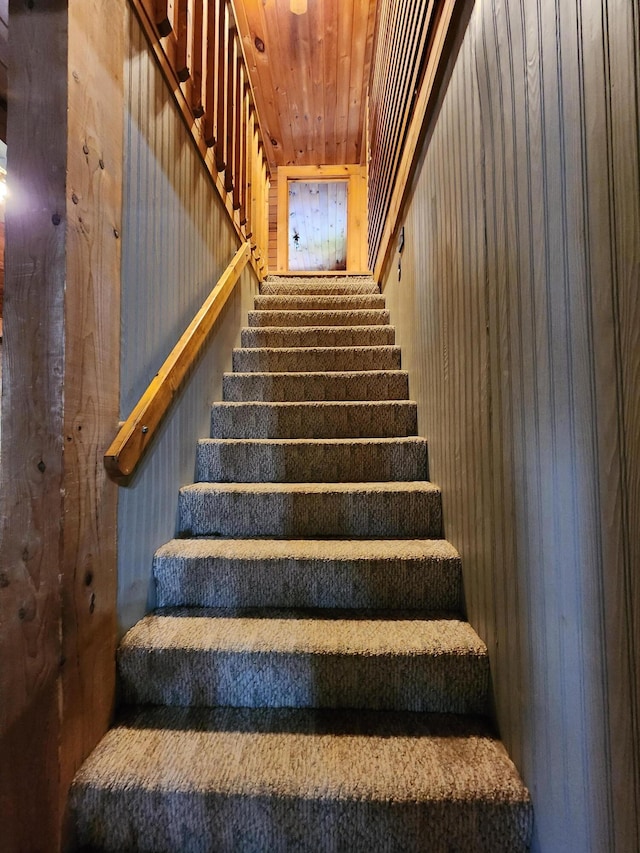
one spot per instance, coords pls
(92, 375)
(60, 390)
(518, 316)
(610, 129)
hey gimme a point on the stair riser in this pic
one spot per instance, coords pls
(289, 583)
(313, 360)
(284, 319)
(299, 286)
(282, 387)
(328, 420)
(444, 683)
(300, 514)
(239, 462)
(318, 303)
(199, 822)
(313, 336)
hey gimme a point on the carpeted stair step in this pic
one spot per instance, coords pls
(377, 419)
(421, 574)
(321, 302)
(325, 285)
(354, 317)
(290, 510)
(336, 385)
(179, 780)
(304, 659)
(313, 359)
(299, 460)
(318, 336)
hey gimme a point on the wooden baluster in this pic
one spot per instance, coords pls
(165, 16)
(238, 137)
(249, 167)
(211, 36)
(223, 87)
(180, 30)
(195, 44)
(229, 172)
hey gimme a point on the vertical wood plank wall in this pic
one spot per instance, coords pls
(518, 312)
(60, 406)
(176, 242)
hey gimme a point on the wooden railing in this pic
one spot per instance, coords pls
(200, 53)
(408, 60)
(135, 434)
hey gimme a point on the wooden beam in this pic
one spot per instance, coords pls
(60, 401)
(138, 430)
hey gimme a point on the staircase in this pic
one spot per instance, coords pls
(308, 682)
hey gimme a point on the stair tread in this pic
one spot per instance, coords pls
(335, 317)
(330, 375)
(316, 549)
(301, 632)
(338, 404)
(279, 285)
(307, 753)
(388, 487)
(318, 301)
(315, 442)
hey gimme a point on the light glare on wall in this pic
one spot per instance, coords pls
(298, 7)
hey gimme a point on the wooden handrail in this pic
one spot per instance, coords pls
(136, 433)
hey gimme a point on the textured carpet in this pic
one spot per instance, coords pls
(373, 419)
(311, 460)
(316, 685)
(314, 359)
(306, 781)
(318, 336)
(338, 385)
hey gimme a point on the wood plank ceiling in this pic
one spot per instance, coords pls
(309, 74)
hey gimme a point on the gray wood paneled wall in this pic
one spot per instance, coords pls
(518, 312)
(177, 241)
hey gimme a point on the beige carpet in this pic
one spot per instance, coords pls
(309, 682)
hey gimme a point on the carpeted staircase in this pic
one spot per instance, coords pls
(308, 682)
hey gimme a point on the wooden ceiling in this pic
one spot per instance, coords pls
(309, 74)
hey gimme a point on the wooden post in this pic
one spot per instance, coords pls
(60, 406)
